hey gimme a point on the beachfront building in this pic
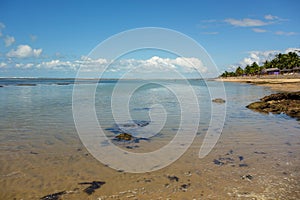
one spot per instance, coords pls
(294, 70)
(271, 71)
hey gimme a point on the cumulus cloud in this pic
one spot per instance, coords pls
(271, 17)
(296, 50)
(24, 51)
(285, 33)
(246, 22)
(259, 30)
(261, 56)
(3, 65)
(154, 64)
(9, 40)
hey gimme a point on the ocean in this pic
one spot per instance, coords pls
(42, 152)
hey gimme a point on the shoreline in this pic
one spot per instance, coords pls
(285, 101)
(281, 83)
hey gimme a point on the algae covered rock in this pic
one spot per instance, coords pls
(288, 103)
(124, 136)
(218, 100)
(258, 105)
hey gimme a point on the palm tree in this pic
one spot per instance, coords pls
(239, 71)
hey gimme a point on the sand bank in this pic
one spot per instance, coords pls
(282, 83)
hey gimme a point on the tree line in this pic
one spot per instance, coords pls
(286, 61)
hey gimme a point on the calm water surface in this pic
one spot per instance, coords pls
(36, 119)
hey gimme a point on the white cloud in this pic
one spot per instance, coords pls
(271, 17)
(154, 64)
(24, 51)
(259, 30)
(9, 40)
(57, 65)
(296, 50)
(2, 26)
(246, 22)
(285, 33)
(261, 56)
(258, 56)
(3, 65)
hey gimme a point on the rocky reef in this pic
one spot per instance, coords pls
(287, 103)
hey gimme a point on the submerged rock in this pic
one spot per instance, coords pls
(217, 162)
(26, 84)
(93, 186)
(54, 196)
(124, 136)
(218, 100)
(287, 103)
(173, 178)
(247, 177)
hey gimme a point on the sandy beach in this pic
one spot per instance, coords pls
(281, 83)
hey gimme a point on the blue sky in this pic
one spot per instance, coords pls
(49, 38)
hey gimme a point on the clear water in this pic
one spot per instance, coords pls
(40, 151)
(46, 108)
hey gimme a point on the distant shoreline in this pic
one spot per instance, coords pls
(280, 83)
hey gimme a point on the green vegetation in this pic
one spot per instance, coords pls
(286, 62)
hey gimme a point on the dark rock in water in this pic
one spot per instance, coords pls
(93, 186)
(248, 177)
(32, 152)
(218, 100)
(217, 162)
(259, 152)
(132, 147)
(124, 136)
(173, 178)
(1, 85)
(288, 103)
(227, 159)
(142, 123)
(243, 165)
(288, 143)
(63, 83)
(26, 84)
(241, 158)
(54, 196)
(128, 125)
(184, 187)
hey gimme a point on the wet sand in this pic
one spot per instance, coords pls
(282, 83)
(253, 165)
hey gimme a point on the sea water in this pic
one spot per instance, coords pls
(36, 119)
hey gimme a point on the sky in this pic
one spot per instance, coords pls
(53, 38)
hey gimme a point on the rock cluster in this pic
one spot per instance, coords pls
(288, 103)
